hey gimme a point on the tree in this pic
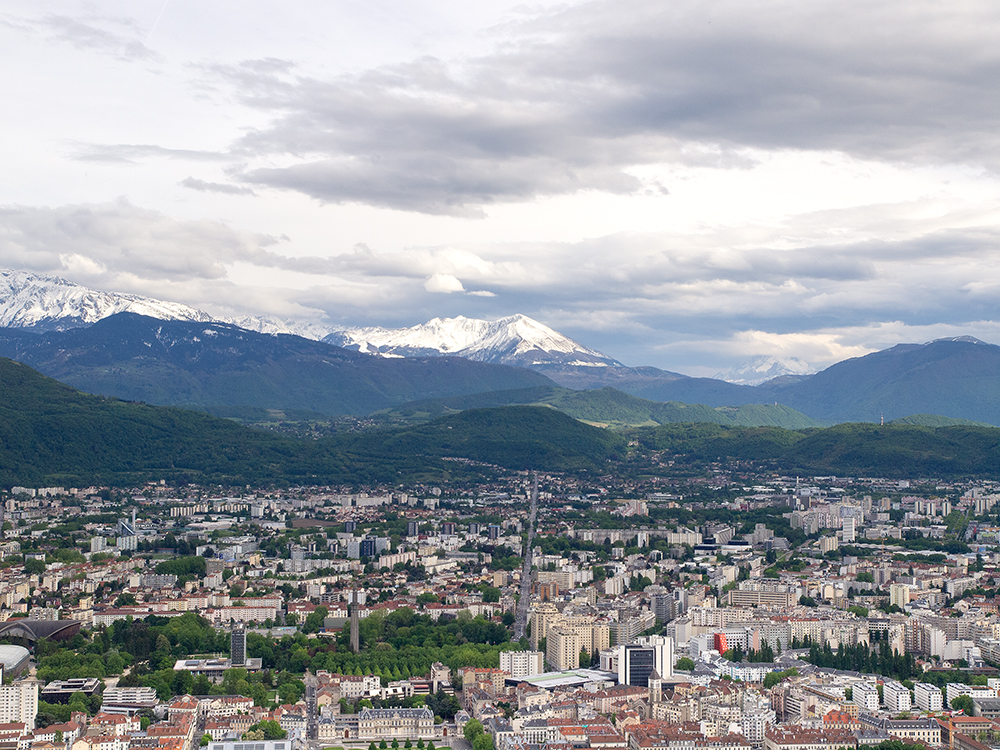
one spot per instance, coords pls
(34, 567)
(205, 739)
(314, 620)
(773, 678)
(270, 730)
(963, 703)
(473, 728)
(125, 600)
(684, 664)
(584, 658)
(78, 703)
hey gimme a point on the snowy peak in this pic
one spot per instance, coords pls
(273, 326)
(959, 339)
(29, 300)
(762, 369)
(514, 340)
(50, 303)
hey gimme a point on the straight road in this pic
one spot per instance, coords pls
(521, 620)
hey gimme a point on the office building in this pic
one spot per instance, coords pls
(849, 530)
(638, 661)
(238, 646)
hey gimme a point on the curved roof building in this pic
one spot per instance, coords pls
(33, 630)
(13, 658)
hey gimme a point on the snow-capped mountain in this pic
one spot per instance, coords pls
(761, 369)
(29, 300)
(515, 340)
(272, 325)
(51, 303)
(961, 340)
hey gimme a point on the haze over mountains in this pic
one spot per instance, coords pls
(147, 350)
(762, 369)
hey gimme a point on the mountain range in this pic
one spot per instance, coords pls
(53, 434)
(203, 365)
(146, 350)
(42, 302)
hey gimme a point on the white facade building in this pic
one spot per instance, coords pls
(849, 530)
(865, 696)
(896, 696)
(520, 664)
(18, 701)
(928, 697)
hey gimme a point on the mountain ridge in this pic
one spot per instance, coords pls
(199, 365)
(603, 407)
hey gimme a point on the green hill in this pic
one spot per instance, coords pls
(936, 420)
(845, 449)
(605, 406)
(53, 434)
(515, 437)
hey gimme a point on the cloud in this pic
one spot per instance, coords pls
(121, 238)
(574, 99)
(214, 187)
(443, 283)
(95, 33)
(130, 153)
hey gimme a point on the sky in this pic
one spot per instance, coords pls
(678, 184)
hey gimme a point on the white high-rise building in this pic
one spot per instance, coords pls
(899, 594)
(754, 722)
(849, 530)
(928, 697)
(865, 696)
(896, 696)
(520, 664)
(18, 701)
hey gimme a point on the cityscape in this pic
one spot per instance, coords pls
(448, 375)
(733, 610)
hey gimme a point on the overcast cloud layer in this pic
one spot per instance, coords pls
(676, 184)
